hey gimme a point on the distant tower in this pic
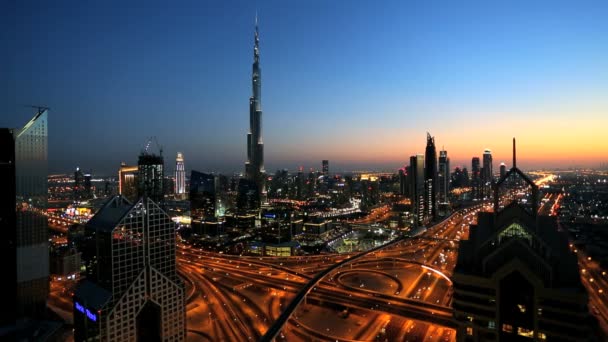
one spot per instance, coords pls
(503, 169)
(475, 177)
(132, 291)
(254, 167)
(416, 179)
(325, 164)
(430, 179)
(443, 176)
(150, 176)
(24, 248)
(487, 175)
(180, 175)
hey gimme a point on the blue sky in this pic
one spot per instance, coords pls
(356, 82)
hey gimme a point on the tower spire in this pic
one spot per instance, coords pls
(514, 154)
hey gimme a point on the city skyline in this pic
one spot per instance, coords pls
(183, 73)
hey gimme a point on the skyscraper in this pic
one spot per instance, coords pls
(430, 179)
(150, 176)
(23, 201)
(325, 165)
(180, 175)
(132, 290)
(516, 278)
(487, 174)
(416, 180)
(204, 203)
(475, 177)
(127, 181)
(503, 169)
(443, 176)
(254, 167)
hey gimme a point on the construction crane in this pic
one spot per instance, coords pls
(149, 144)
(39, 108)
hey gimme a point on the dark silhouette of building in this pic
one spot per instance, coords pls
(254, 167)
(516, 278)
(88, 191)
(248, 196)
(150, 176)
(131, 290)
(430, 179)
(476, 177)
(416, 181)
(23, 202)
(325, 165)
(503, 170)
(203, 204)
(78, 187)
(403, 181)
(443, 177)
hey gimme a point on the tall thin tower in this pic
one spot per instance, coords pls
(430, 179)
(180, 175)
(254, 167)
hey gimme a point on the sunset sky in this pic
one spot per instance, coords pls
(356, 82)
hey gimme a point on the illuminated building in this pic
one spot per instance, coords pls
(416, 181)
(443, 177)
(487, 175)
(23, 201)
(180, 175)
(150, 176)
(325, 165)
(254, 167)
(430, 179)
(87, 186)
(203, 204)
(131, 291)
(516, 278)
(127, 181)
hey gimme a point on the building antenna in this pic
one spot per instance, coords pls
(514, 154)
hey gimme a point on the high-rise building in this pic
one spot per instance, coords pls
(325, 165)
(87, 191)
(204, 204)
(77, 189)
(503, 169)
(403, 182)
(430, 179)
(487, 176)
(443, 177)
(23, 201)
(127, 181)
(516, 278)
(132, 290)
(476, 177)
(254, 167)
(180, 175)
(416, 180)
(150, 176)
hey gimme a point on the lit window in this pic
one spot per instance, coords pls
(470, 331)
(507, 328)
(542, 336)
(525, 332)
(492, 325)
(522, 308)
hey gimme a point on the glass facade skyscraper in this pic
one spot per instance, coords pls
(132, 290)
(23, 160)
(254, 167)
(150, 176)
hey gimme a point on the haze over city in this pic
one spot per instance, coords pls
(355, 82)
